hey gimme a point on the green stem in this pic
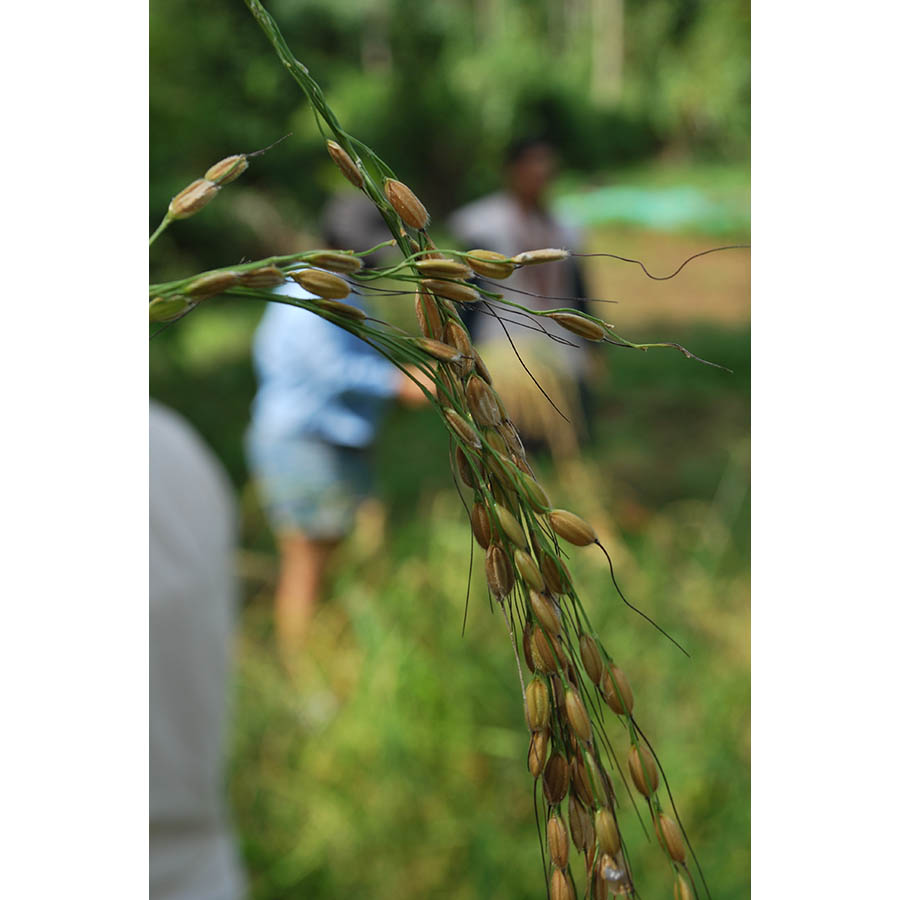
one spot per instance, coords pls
(162, 227)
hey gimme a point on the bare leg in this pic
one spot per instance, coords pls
(303, 563)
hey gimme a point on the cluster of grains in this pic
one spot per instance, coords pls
(514, 522)
(573, 678)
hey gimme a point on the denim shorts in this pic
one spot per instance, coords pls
(309, 485)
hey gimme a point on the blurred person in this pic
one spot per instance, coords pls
(509, 221)
(314, 419)
(192, 606)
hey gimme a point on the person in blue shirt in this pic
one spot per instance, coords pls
(314, 419)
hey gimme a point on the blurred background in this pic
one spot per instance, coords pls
(395, 765)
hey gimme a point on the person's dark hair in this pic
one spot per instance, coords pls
(521, 146)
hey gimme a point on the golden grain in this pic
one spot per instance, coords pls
(537, 751)
(510, 525)
(537, 704)
(428, 315)
(607, 832)
(343, 161)
(617, 691)
(682, 888)
(211, 284)
(572, 528)
(406, 204)
(192, 199)
(591, 658)
(669, 835)
(443, 268)
(556, 779)
(451, 290)
(580, 824)
(545, 612)
(335, 261)
(263, 277)
(528, 569)
(558, 841)
(643, 771)
(489, 264)
(579, 325)
(322, 284)
(498, 571)
(226, 170)
(438, 349)
(464, 431)
(577, 716)
(555, 573)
